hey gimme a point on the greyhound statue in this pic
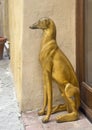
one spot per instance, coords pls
(57, 67)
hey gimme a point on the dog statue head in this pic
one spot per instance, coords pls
(43, 23)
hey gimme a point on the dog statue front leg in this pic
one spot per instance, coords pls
(43, 111)
(49, 96)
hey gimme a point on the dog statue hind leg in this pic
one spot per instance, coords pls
(72, 98)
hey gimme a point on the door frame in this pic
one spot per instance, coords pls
(80, 40)
(86, 91)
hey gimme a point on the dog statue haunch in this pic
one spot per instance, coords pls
(56, 66)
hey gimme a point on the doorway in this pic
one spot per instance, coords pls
(84, 53)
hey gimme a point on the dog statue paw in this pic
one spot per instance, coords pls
(45, 119)
(41, 112)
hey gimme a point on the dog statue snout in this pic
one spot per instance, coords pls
(34, 26)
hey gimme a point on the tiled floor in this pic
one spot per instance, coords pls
(33, 122)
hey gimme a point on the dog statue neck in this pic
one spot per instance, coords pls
(48, 35)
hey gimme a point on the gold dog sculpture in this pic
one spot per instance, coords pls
(56, 66)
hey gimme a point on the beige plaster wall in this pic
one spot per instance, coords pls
(25, 45)
(4, 18)
(1, 17)
(15, 12)
(63, 14)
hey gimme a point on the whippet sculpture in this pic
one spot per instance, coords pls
(57, 67)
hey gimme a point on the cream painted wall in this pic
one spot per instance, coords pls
(1, 17)
(15, 10)
(4, 18)
(63, 14)
(25, 45)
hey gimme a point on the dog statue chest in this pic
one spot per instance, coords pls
(47, 53)
(45, 58)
